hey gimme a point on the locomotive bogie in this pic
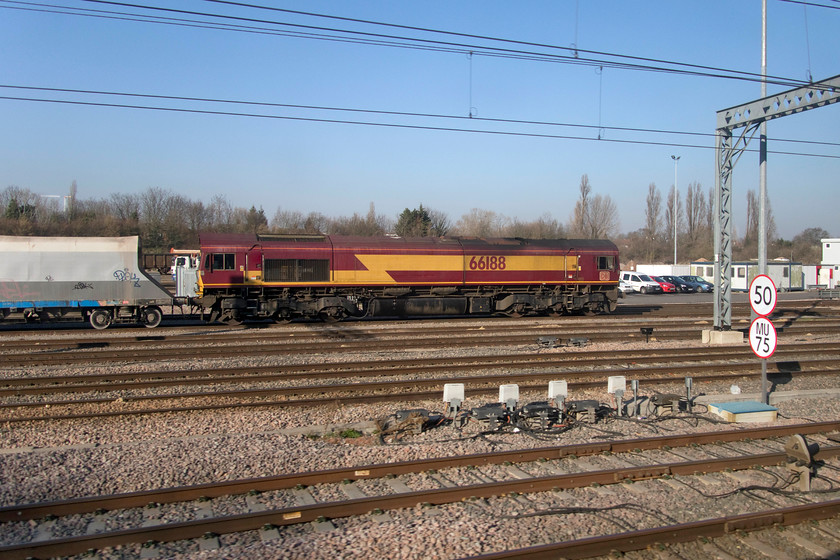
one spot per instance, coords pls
(332, 277)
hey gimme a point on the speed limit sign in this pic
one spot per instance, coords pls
(762, 295)
(762, 337)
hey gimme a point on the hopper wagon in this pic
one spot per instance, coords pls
(97, 279)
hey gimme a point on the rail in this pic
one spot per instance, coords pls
(361, 506)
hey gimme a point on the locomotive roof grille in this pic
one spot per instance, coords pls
(294, 237)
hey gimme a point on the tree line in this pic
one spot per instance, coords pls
(164, 219)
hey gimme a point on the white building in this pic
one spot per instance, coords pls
(662, 269)
(786, 275)
(829, 269)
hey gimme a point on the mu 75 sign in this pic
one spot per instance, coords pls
(762, 337)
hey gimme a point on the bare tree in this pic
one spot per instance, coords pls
(751, 229)
(70, 207)
(315, 223)
(440, 225)
(710, 216)
(481, 223)
(220, 214)
(673, 211)
(753, 213)
(126, 207)
(580, 217)
(653, 220)
(288, 221)
(547, 227)
(196, 216)
(14, 197)
(695, 209)
(256, 220)
(603, 218)
(153, 205)
(594, 217)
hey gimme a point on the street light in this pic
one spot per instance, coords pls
(676, 159)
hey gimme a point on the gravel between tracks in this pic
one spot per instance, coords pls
(58, 460)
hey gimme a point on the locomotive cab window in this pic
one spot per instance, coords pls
(221, 261)
(606, 262)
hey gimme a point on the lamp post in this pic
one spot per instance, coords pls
(674, 216)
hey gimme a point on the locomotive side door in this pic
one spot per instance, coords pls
(571, 264)
(253, 265)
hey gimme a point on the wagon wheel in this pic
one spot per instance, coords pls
(100, 319)
(151, 317)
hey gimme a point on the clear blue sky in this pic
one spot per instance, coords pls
(338, 169)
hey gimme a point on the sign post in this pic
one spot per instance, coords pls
(762, 332)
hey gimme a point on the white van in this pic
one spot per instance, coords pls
(641, 283)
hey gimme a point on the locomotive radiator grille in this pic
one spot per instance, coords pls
(296, 270)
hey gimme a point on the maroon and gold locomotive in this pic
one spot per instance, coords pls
(244, 276)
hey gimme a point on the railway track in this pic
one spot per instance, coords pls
(531, 372)
(359, 329)
(288, 511)
(349, 340)
(522, 483)
(656, 306)
(44, 384)
(742, 527)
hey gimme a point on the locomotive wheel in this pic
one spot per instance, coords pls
(517, 310)
(230, 317)
(557, 310)
(100, 319)
(331, 315)
(282, 317)
(151, 317)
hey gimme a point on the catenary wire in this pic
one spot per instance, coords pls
(460, 47)
(391, 113)
(392, 125)
(158, 19)
(482, 37)
(814, 4)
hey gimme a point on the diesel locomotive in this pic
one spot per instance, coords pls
(282, 277)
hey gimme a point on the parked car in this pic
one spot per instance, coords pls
(681, 285)
(641, 283)
(667, 287)
(697, 287)
(624, 287)
(705, 286)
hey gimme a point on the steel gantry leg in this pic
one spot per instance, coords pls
(749, 118)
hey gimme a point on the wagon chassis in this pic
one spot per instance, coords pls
(147, 314)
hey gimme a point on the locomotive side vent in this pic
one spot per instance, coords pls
(296, 270)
